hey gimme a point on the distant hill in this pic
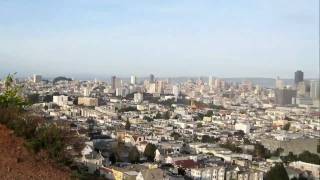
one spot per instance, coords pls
(61, 78)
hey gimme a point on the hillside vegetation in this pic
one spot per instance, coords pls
(30, 148)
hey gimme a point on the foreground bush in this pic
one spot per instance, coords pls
(39, 134)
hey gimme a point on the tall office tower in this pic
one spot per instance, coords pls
(133, 80)
(176, 91)
(301, 88)
(210, 82)
(314, 89)
(119, 83)
(151, 80)
(284, 96)
(86, 91)
(122, 91)
(279, 83)
(217, 83)
(37, 78)
(168, 81)
(152, 88)
(223, 84)
(298, 77)
(113, 82)
(160, 86)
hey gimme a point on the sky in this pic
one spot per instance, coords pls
(243, 38)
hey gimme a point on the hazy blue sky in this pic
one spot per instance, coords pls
(226, 38)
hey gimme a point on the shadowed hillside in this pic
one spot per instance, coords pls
(16, 162)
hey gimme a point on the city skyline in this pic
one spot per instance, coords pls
(159, 90)
(102, 38)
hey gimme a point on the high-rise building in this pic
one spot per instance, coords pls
(86, 91)
(122, 91)
(175, 91)
(279, 83)
(60, 100)
(211, 82)
(119, 83)
(314, 89)
(37, 78)
(113, 82)
(284, 96)
(138, 97)
(298, 77)
(301, 89)
(151, 80)
(133, 80)
(217, 83)
(160, 85)
(152, 88)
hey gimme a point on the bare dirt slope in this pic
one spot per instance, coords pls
(16, 162)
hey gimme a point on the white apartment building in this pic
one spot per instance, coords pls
(208, 173)
(37, 78)
(60, 100)
(133, 80)
(138, 97)
(245, 127)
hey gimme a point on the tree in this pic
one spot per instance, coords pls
(127, 109)
(208, 139)
(231, 147)
(150, 151)
(308, 157)
(200, 116)
(113, 158)
(33, 98)
(128, 125)
(175, 135)
(278, 152)
(260, 151)
(10, 98)
(9, 81)
(181, 171)
(246, 141)
(166, 115)
(289, 158)
(134, 155)
(195, 138)
(301, 177)
(158, 116)
(149, 119)
(286, 127)
(239, 133)
(277, 172)
(209, 113)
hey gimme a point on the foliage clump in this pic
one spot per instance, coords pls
(39, 134)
